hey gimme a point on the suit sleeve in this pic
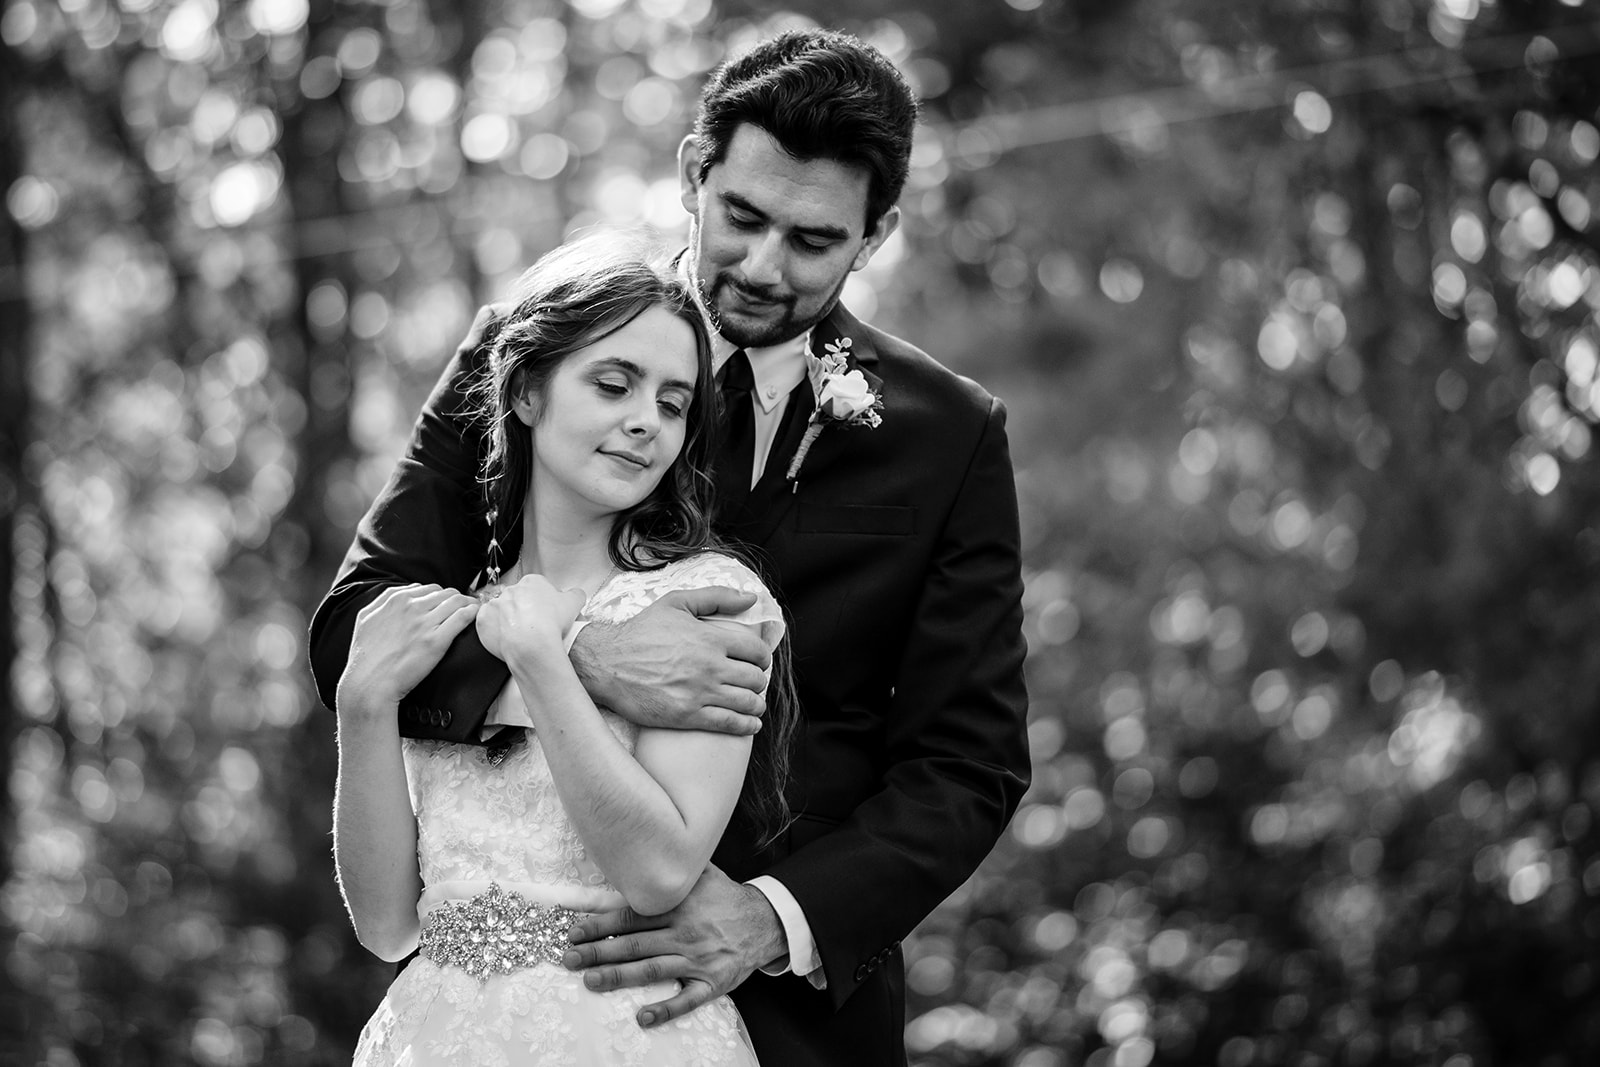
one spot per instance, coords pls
(426, 526)
(956, 739)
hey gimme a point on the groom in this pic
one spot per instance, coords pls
(894, 549)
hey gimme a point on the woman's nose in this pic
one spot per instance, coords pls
(643, 421)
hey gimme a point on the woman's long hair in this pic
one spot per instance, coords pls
(579, 293)
(572, 297)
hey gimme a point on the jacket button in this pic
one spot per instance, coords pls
(861, 973)
(445, 717)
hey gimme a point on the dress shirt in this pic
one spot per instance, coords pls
(776, 370)
(802, 958)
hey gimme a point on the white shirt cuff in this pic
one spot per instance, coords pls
(508, 708)
(802, 958)
(572, 633)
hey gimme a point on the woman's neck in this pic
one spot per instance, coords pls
(570, 551)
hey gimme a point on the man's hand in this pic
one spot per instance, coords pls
(710, 943)
(673, 665)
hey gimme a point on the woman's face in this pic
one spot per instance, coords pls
(613, 417)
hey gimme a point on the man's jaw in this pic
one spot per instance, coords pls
(751, 320)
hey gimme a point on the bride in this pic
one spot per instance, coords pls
(599, 402)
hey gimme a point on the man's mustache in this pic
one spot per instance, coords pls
(755, 292)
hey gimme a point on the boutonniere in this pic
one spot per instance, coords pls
(842, 395)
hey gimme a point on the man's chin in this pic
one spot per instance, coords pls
(748, 331)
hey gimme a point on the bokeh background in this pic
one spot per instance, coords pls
(1296, 308)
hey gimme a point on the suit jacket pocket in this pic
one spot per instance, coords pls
(866, 519)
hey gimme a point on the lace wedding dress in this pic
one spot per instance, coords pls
(482, 824)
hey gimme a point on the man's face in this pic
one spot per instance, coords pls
(774, 237)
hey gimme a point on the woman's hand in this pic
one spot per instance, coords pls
(398, 639)
(528, 616)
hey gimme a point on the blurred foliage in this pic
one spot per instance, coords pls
(1296, 308)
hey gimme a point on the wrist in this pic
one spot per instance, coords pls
(771, 943)
(363, 706)
(537, 653)
(588, 662)
(365, 712)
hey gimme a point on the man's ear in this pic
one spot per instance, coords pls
(880, 233)
(689, 175)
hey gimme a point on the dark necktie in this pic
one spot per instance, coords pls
(737, 455)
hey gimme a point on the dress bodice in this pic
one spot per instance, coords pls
(480, 821)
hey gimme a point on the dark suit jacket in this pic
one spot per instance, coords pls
(897, 559)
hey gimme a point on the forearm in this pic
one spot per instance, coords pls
(651, 845)
(590, 664)
(375, 834)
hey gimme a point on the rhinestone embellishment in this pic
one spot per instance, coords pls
(495, 932)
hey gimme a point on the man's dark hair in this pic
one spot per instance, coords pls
(820, 94)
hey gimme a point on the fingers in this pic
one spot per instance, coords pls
(434, 607)
(695, 992)
(744, 645)
(635, 974)
(742, 685)
(460, 618)
(712, 600)
(612, 924)
(427, 611)
(723, 721)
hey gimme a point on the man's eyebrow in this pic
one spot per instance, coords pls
(827, 233)
(628, 366)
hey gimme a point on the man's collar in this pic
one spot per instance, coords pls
(776, 369)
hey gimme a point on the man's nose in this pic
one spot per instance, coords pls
(763, 260)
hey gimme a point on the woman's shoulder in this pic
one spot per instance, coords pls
(722, 570)
(714, 567)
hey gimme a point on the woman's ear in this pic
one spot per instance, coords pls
(523, 406)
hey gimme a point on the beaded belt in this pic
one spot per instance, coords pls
(495, 932)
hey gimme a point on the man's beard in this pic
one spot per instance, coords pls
(764, 333)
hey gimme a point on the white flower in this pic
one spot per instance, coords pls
(842, 396)
(845, 396)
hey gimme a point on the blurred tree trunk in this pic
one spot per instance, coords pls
(18, 497)
(13, 421)
(316, 361)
